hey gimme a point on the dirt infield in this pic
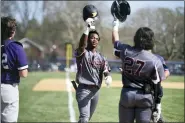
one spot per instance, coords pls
(60, 85)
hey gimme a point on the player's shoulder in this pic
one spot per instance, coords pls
(16, 43)
(160, 57)
(16, 46)
(101, 56)
(10, 44)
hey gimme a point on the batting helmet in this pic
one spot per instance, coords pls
(120, 9)
(90, 11)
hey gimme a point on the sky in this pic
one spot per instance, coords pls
(135, 5)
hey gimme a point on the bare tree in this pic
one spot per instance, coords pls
(168, 26)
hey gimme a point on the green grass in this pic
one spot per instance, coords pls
(175, 79)
(53, 106)
(117, 76)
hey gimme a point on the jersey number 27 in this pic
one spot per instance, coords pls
(129, 63)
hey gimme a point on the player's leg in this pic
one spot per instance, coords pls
(161, 120)
(126, 115)
(9, 103)
(144, 107)
(126, 106)
(83, 97)
(94, 102)
(143, 115)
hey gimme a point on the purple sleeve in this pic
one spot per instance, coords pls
(21, 58)
(119, 47)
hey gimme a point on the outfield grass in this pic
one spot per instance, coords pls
(53, 106)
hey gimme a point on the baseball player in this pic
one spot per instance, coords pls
(91, 66)
(13, 66)
(167, 73)
(142, 74)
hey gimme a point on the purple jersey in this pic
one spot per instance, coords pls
(138, 65)
(13, 59)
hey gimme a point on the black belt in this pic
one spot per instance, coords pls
(133, 88)
(88, 86)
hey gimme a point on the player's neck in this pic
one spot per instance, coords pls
(92, 49)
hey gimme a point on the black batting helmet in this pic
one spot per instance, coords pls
(120, 9)
(90, 11)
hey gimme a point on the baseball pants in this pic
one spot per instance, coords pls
(87, 99)
(135, 105)
(9, 102)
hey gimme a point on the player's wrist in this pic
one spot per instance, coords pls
(86, 32)
(115, 28)
(115, 25)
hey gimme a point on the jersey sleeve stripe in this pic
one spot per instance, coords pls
(116, 43)
(22, 68)
(116, 52)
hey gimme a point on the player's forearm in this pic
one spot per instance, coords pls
(167, 73)
(115, 36)
(83, 41)
(115, 28)
(157, 92)
(23, 73)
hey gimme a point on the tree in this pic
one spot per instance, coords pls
(168, 26)
(170, 32)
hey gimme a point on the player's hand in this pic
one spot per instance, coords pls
(89, 25)
(121, 70)
(108, 80)
(115, 24)
(156, 114)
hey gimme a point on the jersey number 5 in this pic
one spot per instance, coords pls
(129, 63)
(4, 61)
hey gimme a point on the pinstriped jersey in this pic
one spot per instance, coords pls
(13, 59)
(138, 65)
(90, 68)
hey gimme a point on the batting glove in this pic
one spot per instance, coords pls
(89, 25)
(108, 80)
(157, 113)
(115, 24)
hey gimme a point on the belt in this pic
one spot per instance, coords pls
(9, 83)
(88, 86)
(132, 88)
